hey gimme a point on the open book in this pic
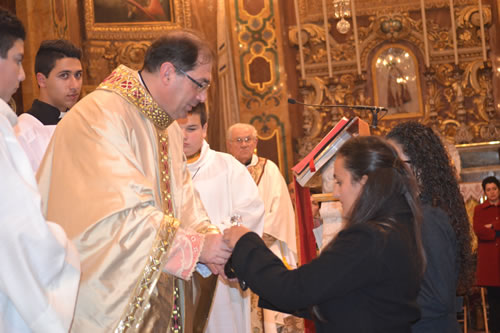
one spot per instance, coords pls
(327, 148)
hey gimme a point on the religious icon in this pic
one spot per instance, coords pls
(133, 19)
(397, 95)
(122, 11)
(396, 82)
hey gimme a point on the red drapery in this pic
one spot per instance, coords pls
(307, 242)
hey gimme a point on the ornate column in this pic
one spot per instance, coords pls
(260, 74)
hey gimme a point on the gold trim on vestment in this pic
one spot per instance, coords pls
(139, 300)
(165, 314)
(125, 82)
(257, 170)
(180, 306)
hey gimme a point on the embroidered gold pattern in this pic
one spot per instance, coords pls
(164, 169)
(257, 170)
(176, 324)
(124, 82)
(176, 318)
(139, 301)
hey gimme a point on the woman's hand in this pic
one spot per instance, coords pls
(233, 234)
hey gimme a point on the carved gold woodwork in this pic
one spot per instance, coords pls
(455, 100)
(60, 18)
(311, 10)
(104, 56)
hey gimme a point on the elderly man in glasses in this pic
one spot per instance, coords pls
(115, 178)
(279, 219)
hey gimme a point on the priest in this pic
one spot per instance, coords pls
(115, 178)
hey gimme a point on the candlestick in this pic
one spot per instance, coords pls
(327, 40)
(481, 22)
(454, 32)
(356, 41)
(299, 40)
(426, 42)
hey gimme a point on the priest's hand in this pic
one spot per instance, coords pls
(214, 251)
(233, 234)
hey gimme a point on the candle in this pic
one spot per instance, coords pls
(424, 25)
(481, 22)
(327, 39)
(356, 42)
(454, 32)
(299, 40)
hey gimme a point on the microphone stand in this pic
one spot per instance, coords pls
(374, 110)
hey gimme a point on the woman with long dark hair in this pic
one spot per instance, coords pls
(446, 231)
(367, 278)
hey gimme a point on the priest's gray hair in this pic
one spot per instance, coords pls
(229, 133)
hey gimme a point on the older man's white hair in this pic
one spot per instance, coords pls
(229, 133)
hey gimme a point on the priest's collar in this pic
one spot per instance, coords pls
(46, 113)
(126, 83)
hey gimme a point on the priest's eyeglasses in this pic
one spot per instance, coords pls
(246, 139)
(202, 86)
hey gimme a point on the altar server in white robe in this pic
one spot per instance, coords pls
(226, 190)
(279, 220)
(58, 71)
(39, 267)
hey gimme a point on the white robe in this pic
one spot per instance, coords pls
(279, 222)
(34, 137)
(226, 188)
(39, 267)
(280, 216)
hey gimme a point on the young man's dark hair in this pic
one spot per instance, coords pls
(11, 29)
(200, 110)
(52, 50)
(490, 180)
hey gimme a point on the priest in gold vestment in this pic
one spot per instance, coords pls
(115, 178)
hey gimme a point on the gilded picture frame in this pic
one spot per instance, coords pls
(145, 25)
(396, 82)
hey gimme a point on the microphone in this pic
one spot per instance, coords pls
(373, 109)
(359, 107)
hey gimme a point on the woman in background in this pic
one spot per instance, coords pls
(446, 231)
(367, 278)
(487, 229)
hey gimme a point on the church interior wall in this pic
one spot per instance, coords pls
(460, 101)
